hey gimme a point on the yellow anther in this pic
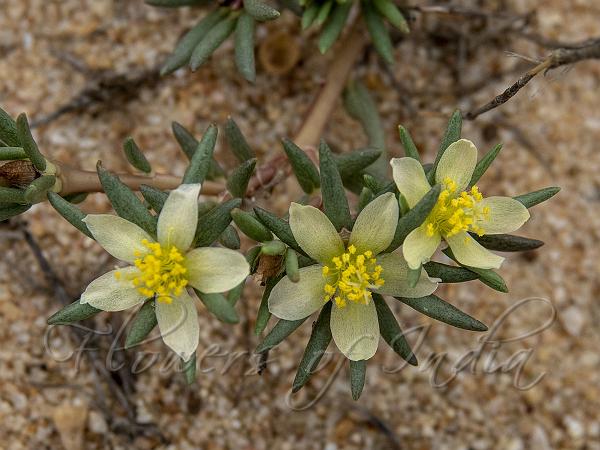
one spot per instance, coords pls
(161, 272)
(456, 212)
(351, 276)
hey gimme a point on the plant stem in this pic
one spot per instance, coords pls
(313, 126)
(76, 180)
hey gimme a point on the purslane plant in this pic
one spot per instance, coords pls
(162, 270)
(460, 210)
(329, 257)
(239, 18)
(347, 273)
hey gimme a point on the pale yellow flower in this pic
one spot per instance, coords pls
(459, 210)
(347, 273)
(164, 268)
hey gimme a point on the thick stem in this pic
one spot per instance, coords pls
(313, 126)
(76, 180)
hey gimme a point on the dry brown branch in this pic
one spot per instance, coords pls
(558, 58)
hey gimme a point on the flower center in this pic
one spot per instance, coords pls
(351, 276)
(456, 212)
(162, 273)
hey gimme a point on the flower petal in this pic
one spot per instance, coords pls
(457, 163)
(119, 237)
(178, 324)
(471, 253)
(419, 246)
(505, 215)
(395, 276)
(214, 269)
(355, 329)
(376, 224)
(179, 217)
(315, 233)
(295, 301)
(109, 294)
(410, 179)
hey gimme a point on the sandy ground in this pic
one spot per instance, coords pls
(538, 392)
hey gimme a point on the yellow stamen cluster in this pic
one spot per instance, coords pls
(454, 213)
(162, 273)
(351, 277)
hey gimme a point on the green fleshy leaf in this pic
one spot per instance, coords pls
(28, 143)
(214, 222)
(391, 331)
(189, 369)
(315, 349)
(125, 203)
(451, 135)
(260, 11)
(334, 25)
(74, 312)
(412, 277)
(155, 197)
(449, 274)
(278, 333)
(142, 324)
(183, 51)
(366, 196)
(279, 227)
(240, 177)
(251, 226)
(438, 309)
(186, 140)
(350, 163)
(188, 144)
(211, 41)
(291, 265)
(237, 142)
(6, 212)
(414, 218)
(201, 161)
(219, 306)
(390, 11)
(358, 372)
(76, 198)
(410, 149)
(135, 156)
(12, 195)
(377, 30)
(8, 130)
(244, 47)
(360, 105)
(484, 164)
(507, 242)
(335, 203)
(310, 14)
(304, 169)
(37, 190)
(536, 197)
(236, 293)
(229, 238)
(273, 248)
(486, 276)
(263, 315)
(12, 153)
(324, 11)
(70, 212)
(252, 257)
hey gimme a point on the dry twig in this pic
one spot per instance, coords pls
(559, 57)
